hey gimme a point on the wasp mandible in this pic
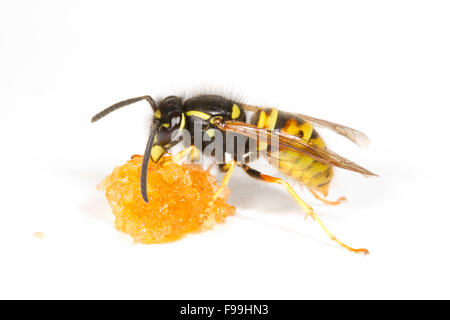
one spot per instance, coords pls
(300, 151)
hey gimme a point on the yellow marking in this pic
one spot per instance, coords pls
(165, 125)
(158, 114)
(266, 122)
(322, 178)
(210, 132)
(300, 167)
(312, 176)
(236, 112)
(288, 155)
(304, 163)
(303, 130)
(183, 122)
(157, 152)
(262, 119)
(198, 114)
(286, 166)
(307, 129)
(316, 168)
(271, 119)
(292, 127)
(296, 174)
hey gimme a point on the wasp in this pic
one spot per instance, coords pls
(299, 151)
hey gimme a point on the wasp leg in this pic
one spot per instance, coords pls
(308, 210)
(333, 203)
(229, 169)
(183, 153)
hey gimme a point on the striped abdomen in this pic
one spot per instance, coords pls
(304, 169)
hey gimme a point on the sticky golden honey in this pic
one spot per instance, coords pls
(179, 200)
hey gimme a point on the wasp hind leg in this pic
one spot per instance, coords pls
(332, 203)
(308, 210)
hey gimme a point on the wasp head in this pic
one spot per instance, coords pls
(168, 122)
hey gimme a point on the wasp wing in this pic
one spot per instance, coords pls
(356, 136)
(284, 141)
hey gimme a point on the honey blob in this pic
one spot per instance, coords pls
(179, 200)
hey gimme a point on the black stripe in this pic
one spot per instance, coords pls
(252, 172)
(283, 117)
(314, 134)
(323, 184)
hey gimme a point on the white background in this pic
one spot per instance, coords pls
(379, 66)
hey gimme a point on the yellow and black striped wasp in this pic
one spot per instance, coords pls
(299, 151)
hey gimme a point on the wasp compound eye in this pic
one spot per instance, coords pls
(164, 136)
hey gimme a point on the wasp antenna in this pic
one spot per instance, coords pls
(124, 103)
(146, 159)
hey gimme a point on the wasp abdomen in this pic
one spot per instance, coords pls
(304, 169)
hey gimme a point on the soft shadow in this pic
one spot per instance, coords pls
(97, 208)
(95, 205)
(286, 229)
(248, 193)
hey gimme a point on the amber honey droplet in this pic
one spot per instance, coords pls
(178, 195)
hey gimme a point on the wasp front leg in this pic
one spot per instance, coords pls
(308, 210)
(229, 169)
(192, 150)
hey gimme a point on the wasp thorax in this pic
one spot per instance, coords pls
(170, 104)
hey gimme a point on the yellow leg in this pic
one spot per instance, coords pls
(308, 210)
(230, 168)
(333, 203)
(183, 153)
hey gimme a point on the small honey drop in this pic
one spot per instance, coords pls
(39, 235)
